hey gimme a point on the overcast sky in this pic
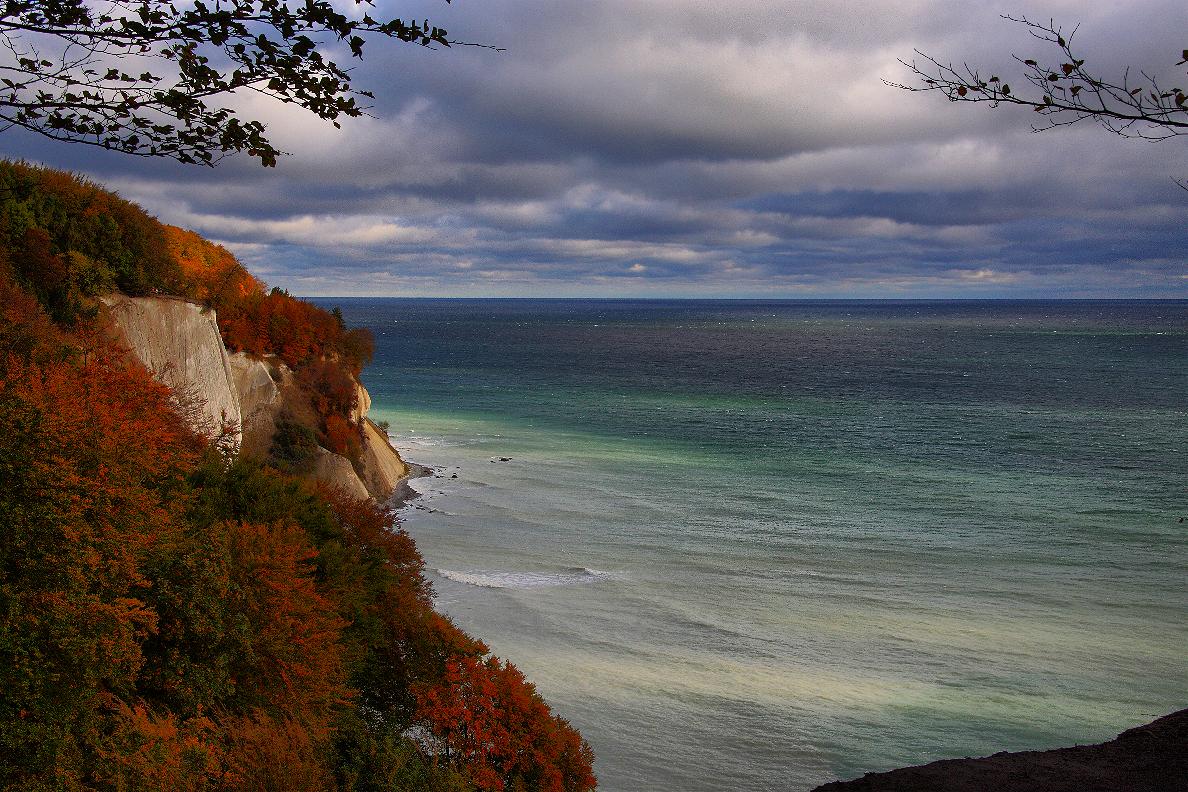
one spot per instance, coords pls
(686, 148)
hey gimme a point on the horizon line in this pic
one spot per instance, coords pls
(746, 299)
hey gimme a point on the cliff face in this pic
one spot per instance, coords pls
(259, 395)
(380, 467)
(180, 344)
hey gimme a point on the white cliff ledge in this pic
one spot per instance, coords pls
(179, 342)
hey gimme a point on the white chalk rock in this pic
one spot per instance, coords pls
(179, 343)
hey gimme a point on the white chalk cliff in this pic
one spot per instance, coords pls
(179, 342)
(259, 396)
(380, 467)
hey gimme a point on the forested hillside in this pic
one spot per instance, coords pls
(174, 618)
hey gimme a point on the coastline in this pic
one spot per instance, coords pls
(403, 492)
(858, 549)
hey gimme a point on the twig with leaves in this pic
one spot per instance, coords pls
(144, 77)
(1063, 93)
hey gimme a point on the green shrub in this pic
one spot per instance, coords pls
(294, 447)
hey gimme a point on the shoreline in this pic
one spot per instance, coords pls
(403, 492)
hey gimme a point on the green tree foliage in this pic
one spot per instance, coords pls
(154, 78)
(68, 239)
(294, 446)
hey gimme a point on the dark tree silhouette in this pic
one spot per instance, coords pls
(1063, 92)
(151, 77)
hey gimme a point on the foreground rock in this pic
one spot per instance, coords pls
(336, 472)
(1151, 758)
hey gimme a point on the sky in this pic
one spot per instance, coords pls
(678, 148)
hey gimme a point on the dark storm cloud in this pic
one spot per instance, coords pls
(685, 147)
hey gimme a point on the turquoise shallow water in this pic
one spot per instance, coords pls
(765, 545)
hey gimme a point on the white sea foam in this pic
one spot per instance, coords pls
(420, 442)
(574, 576)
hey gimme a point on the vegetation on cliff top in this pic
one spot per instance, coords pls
(170, 618)
(67, 240)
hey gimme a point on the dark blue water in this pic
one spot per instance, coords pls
(764, 544)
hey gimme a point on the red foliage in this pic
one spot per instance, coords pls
(36, 258)
(331, 387)
(25, 330)
(299, 333)
(89, 456)
(266, 753)
(102, 487)
(153, 750)
(95, 462)
(343, 438)
(492, 723)
(294, 664)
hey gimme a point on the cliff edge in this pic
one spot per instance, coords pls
(180, 343)
(1150, 758)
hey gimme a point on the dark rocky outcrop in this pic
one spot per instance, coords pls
(1151, 758)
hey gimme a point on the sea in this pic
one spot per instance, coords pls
(762, 545)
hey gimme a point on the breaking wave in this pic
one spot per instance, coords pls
(574, 576)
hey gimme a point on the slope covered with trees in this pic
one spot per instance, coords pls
(173, 618)
(67, 240)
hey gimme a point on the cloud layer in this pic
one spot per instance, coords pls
(683, 148)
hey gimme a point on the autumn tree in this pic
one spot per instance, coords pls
(173, 618)
(156, 78)
(68, 239)
(1061, 89)
(84, 503)
(491, 722)
(216, 277)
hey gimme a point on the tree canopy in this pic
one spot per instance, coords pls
(1062, 90)
(153, 77)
